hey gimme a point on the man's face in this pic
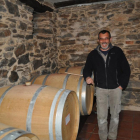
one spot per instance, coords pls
(104, 40)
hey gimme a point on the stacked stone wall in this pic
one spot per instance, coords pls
(45, 53)
(16, 42)
(77, 34)
(79, 27)
(28, 45)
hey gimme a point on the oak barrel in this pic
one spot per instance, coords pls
(11, 133)
(48, 112)
(72, 82)
(71, 70)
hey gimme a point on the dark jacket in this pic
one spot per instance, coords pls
(109, 74)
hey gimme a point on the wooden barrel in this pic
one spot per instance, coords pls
(11, 133)
(48, 112)
(72, 82)
(71, 70)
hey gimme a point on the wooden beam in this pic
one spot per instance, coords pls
(37, 6)
(73, 2)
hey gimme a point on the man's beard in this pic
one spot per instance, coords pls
(104, 48)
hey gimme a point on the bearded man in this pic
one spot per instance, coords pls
(111, 76)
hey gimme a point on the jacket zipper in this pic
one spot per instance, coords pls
(106, 74)
(105, 69)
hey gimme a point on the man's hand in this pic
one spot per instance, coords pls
(120, 87)
(89, 80)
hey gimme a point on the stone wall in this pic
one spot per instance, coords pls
(77, 33)
(45, 53)
(28, 43)
(15, 42)
(78, 27)
(131, 96)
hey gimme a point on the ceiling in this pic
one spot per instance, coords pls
(39, 7)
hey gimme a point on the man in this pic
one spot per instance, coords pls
(111, 76)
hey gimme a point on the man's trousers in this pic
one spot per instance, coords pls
(108, 98)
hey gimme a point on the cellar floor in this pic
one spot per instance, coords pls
(129, 126)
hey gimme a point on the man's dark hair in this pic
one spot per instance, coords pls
(103, 32)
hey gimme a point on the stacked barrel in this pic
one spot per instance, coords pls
(48, 109)
(72, 82)
(11, 133)
(71, 70)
